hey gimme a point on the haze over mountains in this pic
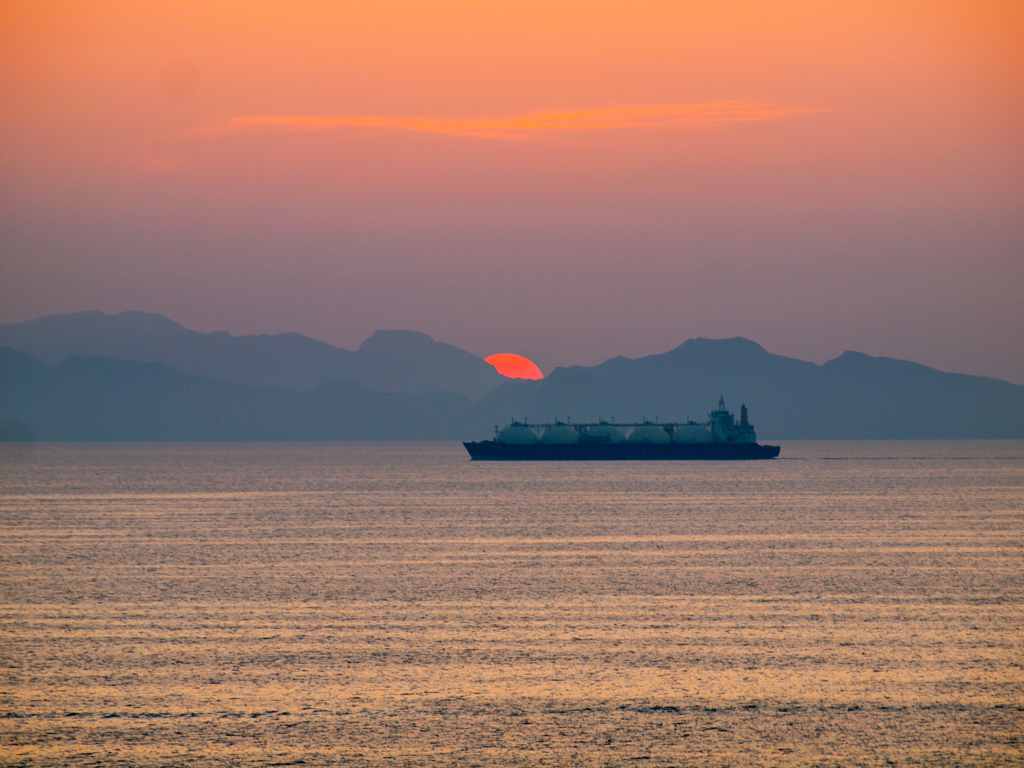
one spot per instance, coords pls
(138, 376)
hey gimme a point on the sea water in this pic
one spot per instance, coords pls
(857, 603)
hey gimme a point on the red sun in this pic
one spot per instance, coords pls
(515, 366)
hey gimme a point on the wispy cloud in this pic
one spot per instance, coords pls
(706, 115)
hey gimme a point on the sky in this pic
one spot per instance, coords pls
(562, 180)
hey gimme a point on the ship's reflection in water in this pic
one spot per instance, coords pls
(399, 604)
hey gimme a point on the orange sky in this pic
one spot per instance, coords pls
(525, 175)
(104, 81)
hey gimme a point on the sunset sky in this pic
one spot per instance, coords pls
(563, 180)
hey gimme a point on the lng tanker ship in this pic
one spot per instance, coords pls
(718, 439)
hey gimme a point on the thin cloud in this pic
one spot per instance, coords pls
(708, 115)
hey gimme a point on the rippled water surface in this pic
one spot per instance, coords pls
(396, 604)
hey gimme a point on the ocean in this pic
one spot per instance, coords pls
(394, 604)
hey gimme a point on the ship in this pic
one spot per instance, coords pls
(718, 439)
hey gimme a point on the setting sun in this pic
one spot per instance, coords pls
(515, 366)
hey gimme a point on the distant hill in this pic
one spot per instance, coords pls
(852, 397)
(102, 399)
(389, 361)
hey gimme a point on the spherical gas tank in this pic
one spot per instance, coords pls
(560, 434)
(604, 433)
(517, 434)
(692, 433)
(649, 433)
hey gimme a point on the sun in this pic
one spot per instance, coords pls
(515, 366)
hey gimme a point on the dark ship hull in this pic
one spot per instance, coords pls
(491, 450)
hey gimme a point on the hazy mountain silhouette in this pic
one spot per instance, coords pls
(103, 399)
(852, 397)
(389, 361)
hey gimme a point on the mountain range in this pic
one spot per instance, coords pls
(389, 361)
(139, 376)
